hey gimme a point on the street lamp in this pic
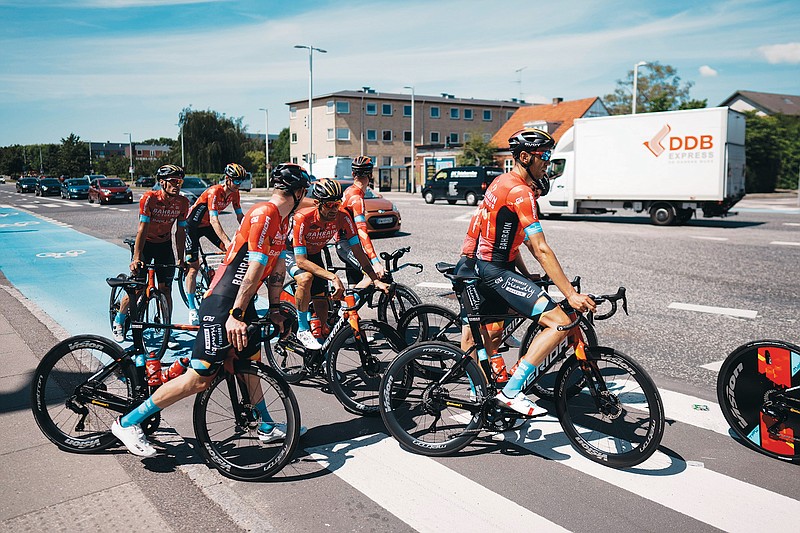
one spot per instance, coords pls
(365, 90)
(310, 93)
(91, 170)
(519, 80)
(266, 141)
(413, 163)
(130, 147)
(635, 83)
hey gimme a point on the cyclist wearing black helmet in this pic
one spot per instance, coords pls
(254, 255)
(507, 218)
(158, 212)
(204, 221)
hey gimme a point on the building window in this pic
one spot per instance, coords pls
(139, 153)
(386, 135)
(342, 108)
(329, 107)
(372, 108)
(387, 160)
(293, 112)
(406, 136)
(508, 115)
(386, 110)
(342, 134)
(487, 114)
(406, 160)
(468, 114)
(453, 138)
(294, 160)
(434, 137)
(434, 111)
(455, 113)
(407, 110)
(467, 136)
(487, 137)
(372, 135)
(508, 164)
(330, 134)
(294, 137)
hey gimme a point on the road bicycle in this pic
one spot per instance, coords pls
(758, 388)
(436, 399)
(209, 262)
(85, 382)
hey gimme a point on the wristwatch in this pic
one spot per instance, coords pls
(237, 313)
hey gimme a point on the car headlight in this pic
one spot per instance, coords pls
(128, 190)
(394, 208)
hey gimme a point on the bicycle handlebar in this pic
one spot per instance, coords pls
(391, 260)
(610, 298)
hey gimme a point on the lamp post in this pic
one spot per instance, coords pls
(130, 147)
(311, 50)
(413, 155)
(635, 83)
(519, 80)
(266, 142)
(365, 89)
(91, 170)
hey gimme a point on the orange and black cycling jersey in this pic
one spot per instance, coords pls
(505, 218)
(161, 211)
(353, 203)
(310, 233)
(261, 237)
(211, 202)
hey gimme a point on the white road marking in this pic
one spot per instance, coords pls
(709, 238)
(434, 285)
(791, 223)
(715, 366)
(785, 243)
(466, 217)
(742, 313)
(680, 407)
(424, 494)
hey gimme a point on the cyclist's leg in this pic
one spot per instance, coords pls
(164, 255)
(193, 264)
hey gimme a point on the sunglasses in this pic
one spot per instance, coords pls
(331, 205)
(174, 181)
(236, 182)
(544, 156)
(362, 175)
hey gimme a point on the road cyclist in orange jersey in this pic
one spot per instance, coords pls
(507, 218)
(254, 254)
(312, 229)
(159, 211)
(353, 202)
(203, 221)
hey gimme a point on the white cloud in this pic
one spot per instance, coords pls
(707, 72)
(781, 53)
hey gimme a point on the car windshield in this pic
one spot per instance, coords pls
(28, 181)
(194, 183)
(369, 193)
(111, 183)
(77, 181)
(50, 182)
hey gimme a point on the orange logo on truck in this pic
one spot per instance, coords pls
(654, 144)
(687, 142)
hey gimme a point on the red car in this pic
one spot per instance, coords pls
(106, 190)
(383, 217)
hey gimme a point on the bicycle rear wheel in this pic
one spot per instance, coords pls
(752, 375)
(428, 322)
(67, 380)
(426, 415)
(613, 415)
(229, 414)
(355, 378)
(391, 310)
(154, 309)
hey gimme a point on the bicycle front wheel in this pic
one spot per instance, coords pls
(391, 310)
(248, 423)
(355, 366)
(154, 309)
(749, 388)
(73, 389)
(427, 414)
(114, 303)
(202, 283)
(428, 322)
(609, 408)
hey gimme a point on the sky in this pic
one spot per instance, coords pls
(104, 68)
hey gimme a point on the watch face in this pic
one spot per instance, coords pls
(237, 313)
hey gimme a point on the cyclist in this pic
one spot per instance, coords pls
(254, 254)
(353, 203)
(158, 211)
(506, 219)
(312, 229)
(204, 222)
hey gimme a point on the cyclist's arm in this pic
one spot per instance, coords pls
(470, 244)
(237, 208)
(213, 219)
(353, 235)
(363, 260)
(360, 221)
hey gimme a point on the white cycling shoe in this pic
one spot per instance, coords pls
(194, 317)
(521, 404)
(308, 340)
(134, 439)
(276, 433)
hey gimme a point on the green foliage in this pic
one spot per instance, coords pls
(772, 146)
(73, 157)
(211, 140)
(477, 152)
(279, 153)
(659, 88)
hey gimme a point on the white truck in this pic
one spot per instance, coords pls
(668, 165)
(332, 168)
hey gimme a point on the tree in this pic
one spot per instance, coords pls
(279, 153)
(763, 148)
(73, 156)
(659, 88)
(476, 151)
(211, 140)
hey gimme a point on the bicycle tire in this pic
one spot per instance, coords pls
(114, 303)
(154, 308)
(202, 283)
(354, 384)
(545, 383)
(391, 310)
(226, 420)
(629, 426)
(428, 322)
(749, 375)
(55, 394)
(280, 352)
(425, 416)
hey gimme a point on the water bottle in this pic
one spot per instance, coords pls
(316, 326)
(499, 368)
(177, 368)
(152, 369)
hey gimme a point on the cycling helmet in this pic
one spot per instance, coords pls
(290, 177)
(235, 171)
(326, 190)
(362, 165)
(530, 140)
(169, 171)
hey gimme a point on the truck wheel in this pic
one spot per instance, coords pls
(662, 214)
(471, 198)
(429, 199)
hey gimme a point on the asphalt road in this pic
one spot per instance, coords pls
(742, 270)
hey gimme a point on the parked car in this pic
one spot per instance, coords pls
(2, 179)
(383, 217)
(106, 190)
(192, 188)
(247, 183)
(26, 184)
(75, 188)
(48, 187)
(145, 181)
(459, 183)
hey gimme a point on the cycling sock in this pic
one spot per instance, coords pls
(514, 385)
(302, 320)
(191, 301)
(120, 318)
(145, 410)
(266, 420)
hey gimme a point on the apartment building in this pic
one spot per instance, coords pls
(367, 122)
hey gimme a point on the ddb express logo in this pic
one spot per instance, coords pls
(678, 143)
